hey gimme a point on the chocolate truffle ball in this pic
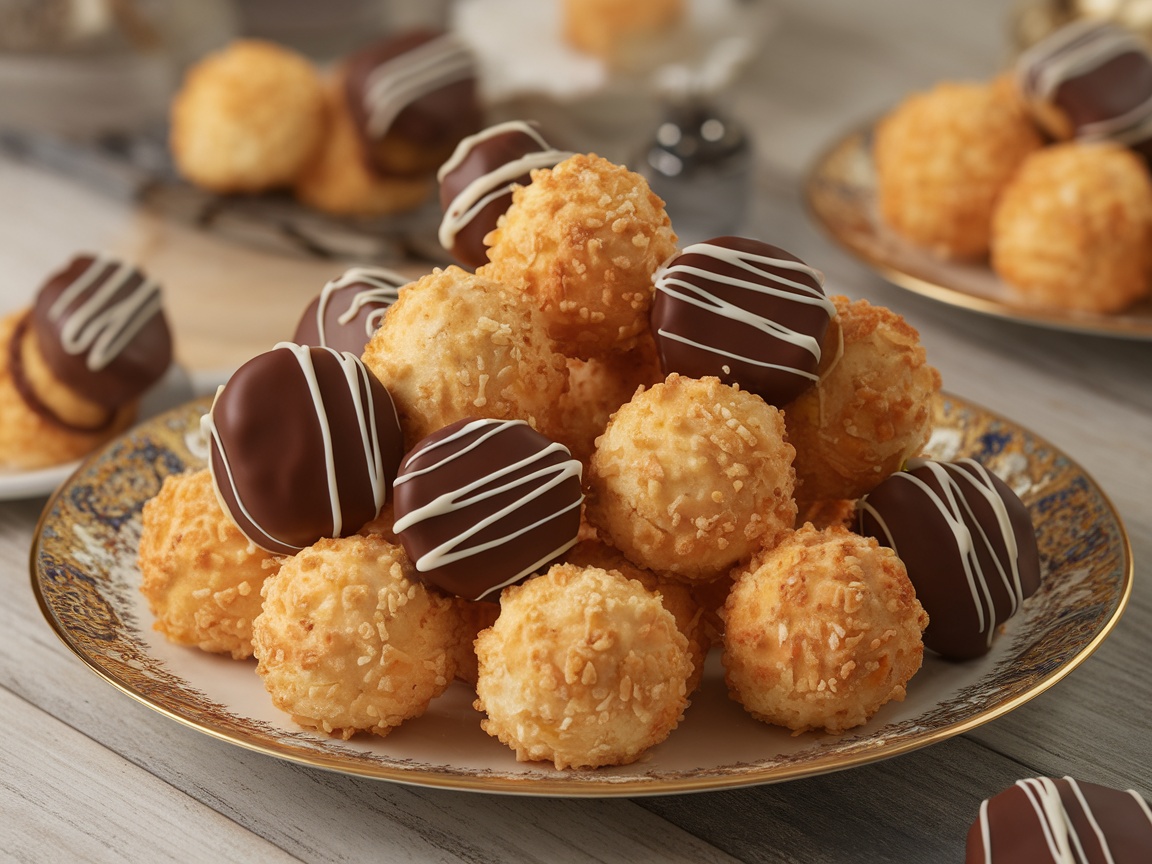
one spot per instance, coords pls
(476, 183)
(744, 311)
(304, 444)
(101, 330)
(1045, 819)
(349, 309)
(1090, 80)
(412, 98)
(481, 504)
(968, 543)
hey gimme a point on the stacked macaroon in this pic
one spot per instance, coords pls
(74, 365)
(599, 448)
(362, 139)
(1043, 170)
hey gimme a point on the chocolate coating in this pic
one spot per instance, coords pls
(101, 330)
(1096, 76)
(305, 444)
(1045, 819)
(744, 311)
(418, 86)
(348, 310)
(481, 504)
(476, 184)
(968, 544)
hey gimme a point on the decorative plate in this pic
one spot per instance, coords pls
(840, 191)
(84, 574)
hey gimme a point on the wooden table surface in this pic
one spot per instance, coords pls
(89, 774)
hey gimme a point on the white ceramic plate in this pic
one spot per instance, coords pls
(85, 577)
(841, 195)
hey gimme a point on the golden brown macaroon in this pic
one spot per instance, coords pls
(247, 118)
(474, 615)
(584, 668)
(200, 575)
(821, 631)
(350, 641)
(583, 240)
(942, 159)
(1073, 229)
(457, 345)
(337, 180)
(28, 438)
(676, 597)
(597, 387)
(600, 27)
(692, 476)
(871, 409)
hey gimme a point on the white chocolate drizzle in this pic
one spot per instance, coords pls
(101, 327)
(358, 380)
(957, 513)
(397, 83)
(536, 483)
(383, 287)
(486, 188)
(1060, 835)
(1074, 51)
(672, 279)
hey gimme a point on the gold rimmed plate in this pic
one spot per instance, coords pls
(840, 191)
(84, 574)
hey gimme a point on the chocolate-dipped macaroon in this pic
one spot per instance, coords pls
(75, 365)
(481, 504)
(477, 180)
(968, 543)
(1090, 80)
(1043, 819)
(349, 309)
(100, 327)
(305, 444)
(412, 97)
(744, 311)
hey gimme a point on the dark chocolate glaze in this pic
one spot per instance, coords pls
(920, 512)
(742, 327)
(1102, 90)
(269, 457)
(349, 309)
(431, 121)
(477, 157)
(474, 464)
(76, 335)
(1022, 830)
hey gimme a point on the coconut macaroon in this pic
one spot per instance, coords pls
(475, 616)
(247, 118)
(350, 641)
(676, 597)
(456, 345)
(821, 631)
(597, 387)
(583, 240)
(28, 438)
(337, 180)
(692, 476)
(871, 409)
(1073, 230)
(200, 575)
(583, 667)
(942, 159)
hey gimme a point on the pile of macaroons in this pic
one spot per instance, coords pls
(566, 475)
(1042, 170)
